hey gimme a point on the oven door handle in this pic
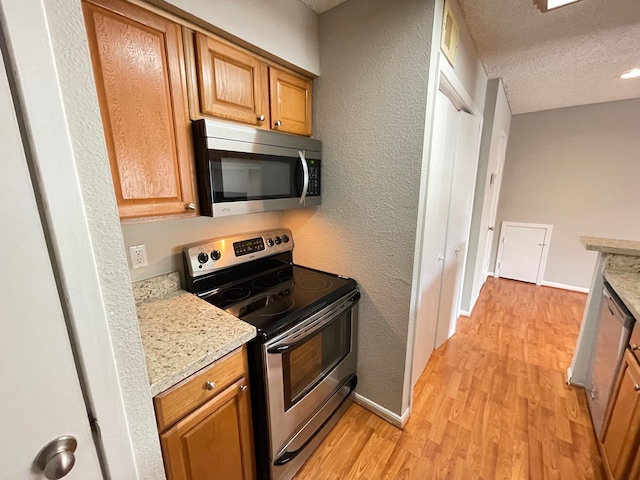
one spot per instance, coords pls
(305, 179)
(287, 456)
(321, 325)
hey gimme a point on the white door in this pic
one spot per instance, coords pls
(522, 253)
(41, 395)
(491, 202)
(458, 224)
(435, 228)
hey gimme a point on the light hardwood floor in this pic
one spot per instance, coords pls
(492, 402)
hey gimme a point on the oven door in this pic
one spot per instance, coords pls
(305, 368)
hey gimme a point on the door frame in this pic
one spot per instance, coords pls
(79, 235)
(545, 246)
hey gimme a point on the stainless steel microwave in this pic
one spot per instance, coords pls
(246, 170)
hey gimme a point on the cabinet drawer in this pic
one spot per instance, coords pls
(186, 396)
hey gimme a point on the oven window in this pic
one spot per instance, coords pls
(307, 364)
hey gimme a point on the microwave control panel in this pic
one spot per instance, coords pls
(314, 180)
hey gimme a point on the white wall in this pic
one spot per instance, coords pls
(497, 119)
(370, 107)
(577, 169)
(287, 29)
(164, 240)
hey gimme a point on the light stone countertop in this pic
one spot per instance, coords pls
(610, 245)
(627, 286)
(181, 333)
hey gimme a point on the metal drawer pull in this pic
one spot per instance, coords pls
(243, 388)
(635, 347)
(636, 387)
(210, 385)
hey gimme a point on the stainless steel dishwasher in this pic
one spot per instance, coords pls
(612, 335)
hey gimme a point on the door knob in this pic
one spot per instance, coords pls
(457, 250)
(440, 258)
(491, 228)
(57, 458)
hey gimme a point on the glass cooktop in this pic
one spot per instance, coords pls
(276, 299)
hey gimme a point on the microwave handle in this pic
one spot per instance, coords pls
(305, 180)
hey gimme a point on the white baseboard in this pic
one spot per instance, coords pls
(565, 287)
(388, 415)
(464, 313)
(490, 274)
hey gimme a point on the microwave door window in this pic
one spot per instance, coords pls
(253, 179)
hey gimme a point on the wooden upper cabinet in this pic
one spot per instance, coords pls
(138, 65)
(232, 84)
(621, 434)
(290, 102)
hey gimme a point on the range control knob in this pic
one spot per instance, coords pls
(285, 238)
(215, 254)
(270, 242)
(278, 240)
(203, 257)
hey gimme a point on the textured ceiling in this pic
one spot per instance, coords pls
(570, 56)
(321, 6)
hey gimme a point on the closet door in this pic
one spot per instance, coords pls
(435, 227)
(463, 183)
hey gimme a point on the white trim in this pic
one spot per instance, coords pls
(388, 415)
(464, 313)
(453, 88)
(563, 286)
(33, 63)
(569, 374)
(545, 248)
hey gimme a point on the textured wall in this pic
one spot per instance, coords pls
(577, 169)
(370, 107)
(78, 91)
(497, 118)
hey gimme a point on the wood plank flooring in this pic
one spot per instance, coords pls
(492, 402)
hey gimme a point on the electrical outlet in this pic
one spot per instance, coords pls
(138, 256)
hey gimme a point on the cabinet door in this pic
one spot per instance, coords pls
(231, 83)
(621, 437)
(290, 102)
(138, 67)
(215, 442)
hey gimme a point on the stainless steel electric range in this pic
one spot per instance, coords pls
(302, 364)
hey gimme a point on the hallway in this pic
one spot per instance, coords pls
(492, 402)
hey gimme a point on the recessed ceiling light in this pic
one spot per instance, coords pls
(633, 73)
(546, 5)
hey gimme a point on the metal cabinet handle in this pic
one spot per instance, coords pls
(57, 458)
(261, 118)
(278, 123)
(636, 387)
(191, 206)
(210, 385)
(635, 347)
(243, 388)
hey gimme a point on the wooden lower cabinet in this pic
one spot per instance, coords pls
(621, 434)
(213, 437)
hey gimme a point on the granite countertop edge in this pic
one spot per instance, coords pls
(611, 245)
(185, 372)
(627, 287)
(181, 333)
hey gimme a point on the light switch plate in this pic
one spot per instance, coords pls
(138, 256)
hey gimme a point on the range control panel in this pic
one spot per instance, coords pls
(220, 253)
